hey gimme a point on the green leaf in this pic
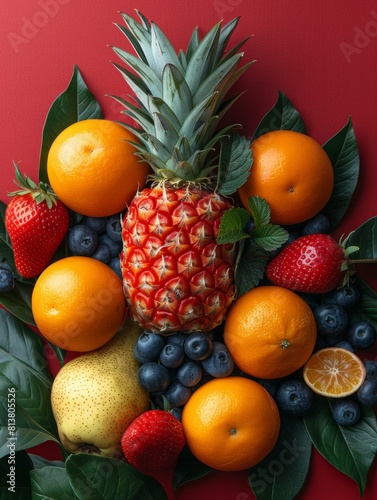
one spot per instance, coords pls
(40, 462)
(250, 267)
(366, 308)
(260, 210)
(76, 103)
(51, 483)
(270, 236)
(282, 473)
(351, 449)
(232, 225)
(364, 237)
(344, 155)
(188, 468)
(24, 370)
(18, 466)
(98, 478)
(234, 163)
(282, 116)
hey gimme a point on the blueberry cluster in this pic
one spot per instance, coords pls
(335, 327)
(176, 365)
(99, 238)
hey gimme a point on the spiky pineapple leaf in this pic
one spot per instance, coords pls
(234, 163)
(282, 116)
(176, 93)
(163, 51)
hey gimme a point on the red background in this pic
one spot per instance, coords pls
(322, 55)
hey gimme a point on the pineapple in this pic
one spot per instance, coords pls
(176, 276)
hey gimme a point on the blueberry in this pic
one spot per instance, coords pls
(317, 224)
(114, 247)
(343, 344)
(269, 385)
(178, 394)
(96, 223)
(114, 228)
(198, 346)
(114, 264)
(346, 411)
(362, 334)
(172, 355)
(149, 345)
(250, 225)
(177, 338)
(189, 374)
(332, 339)
(294, 397)
(367, 393)
(330, 319)
(7, 282)
(371, 368)
(177, 413)
(82, 240)
(345, 296)
(102, 253)
(219, 363)
(153, 377)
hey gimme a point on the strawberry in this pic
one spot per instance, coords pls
(36, 222)
(315, 263)
(153, 441)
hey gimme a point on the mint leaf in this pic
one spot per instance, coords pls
(260, 210)
(282, 116)
(235, 162)
(232, 225)
(270, 237)
(350, 449)
(251, 265)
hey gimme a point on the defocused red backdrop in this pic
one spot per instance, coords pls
(322, 55)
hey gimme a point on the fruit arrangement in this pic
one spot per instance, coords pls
(191, 275)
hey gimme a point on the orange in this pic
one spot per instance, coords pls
(93, 169)
(78, 303)
(270, 332)
(231, 423)
(334, 372)
(292, 172)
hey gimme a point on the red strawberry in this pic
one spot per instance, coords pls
(315, 263)
(36, 223)
(153, 441)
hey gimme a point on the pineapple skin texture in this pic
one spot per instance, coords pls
(175, 275)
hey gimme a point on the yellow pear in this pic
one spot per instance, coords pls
(96, 396)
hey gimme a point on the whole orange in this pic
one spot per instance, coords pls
(92, 167)
(78, 303)
(270, 332)
(292, 172)
(231, 423)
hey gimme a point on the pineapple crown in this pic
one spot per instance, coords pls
(179, 100)
(41, 192)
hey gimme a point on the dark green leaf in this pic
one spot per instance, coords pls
(364, 237)
(282, 473)
(232, 225)
(14, 476)
(234, 163)
(51, 483)
(282, 116)
(188, 469)
(24, 369)
(251, 265)
(39, 462)
(366, 308)
(344, 155)
(76, 103)
(98, 478)
(28, 432)
(351, 449)
(260, 210)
